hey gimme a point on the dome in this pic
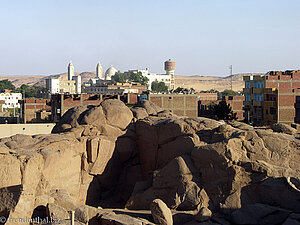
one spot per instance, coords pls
(110, 72)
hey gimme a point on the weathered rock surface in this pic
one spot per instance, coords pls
(161, 213)
(174, 184)
(203, 215)
(283, 128)
(109, 155)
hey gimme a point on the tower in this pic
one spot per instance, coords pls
(170, 70)
(99, 71)
(70, 71)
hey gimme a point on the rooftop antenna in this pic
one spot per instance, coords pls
(230, 67)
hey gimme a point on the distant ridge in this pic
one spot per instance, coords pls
(198, 82)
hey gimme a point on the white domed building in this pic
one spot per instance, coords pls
(110, 72)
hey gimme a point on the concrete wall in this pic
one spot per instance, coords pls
(7, 130)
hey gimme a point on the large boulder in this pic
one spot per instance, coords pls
(57, 212)
(283, 128)
(139, 112)
(161, 213)
(72, 117)
(94, 116)
(150, 107)
(161, 139)
(116, 113)
(105, 152)
(175, 184)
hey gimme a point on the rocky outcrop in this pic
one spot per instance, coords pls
(161, 213)
(205, 171)
(283, 128)
(176, 184)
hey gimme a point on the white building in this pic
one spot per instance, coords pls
(110, 72)
(101, 81)
(167, 78)
(70, 86)
(10, 100)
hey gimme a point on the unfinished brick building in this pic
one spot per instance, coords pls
(35, 110)
(179, 104)
(236, 103)
(271, 98)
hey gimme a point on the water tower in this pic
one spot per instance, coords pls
(170, 69)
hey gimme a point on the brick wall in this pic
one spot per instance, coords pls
(179, 104)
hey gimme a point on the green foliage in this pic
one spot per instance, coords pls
(118, 77)
(6, 84)
(210, 91)
(223, 111)
(179, 90)
(184, 90)
(227, 93)
(129, 77)
(138, 78)
(159, 87)
(30, 91)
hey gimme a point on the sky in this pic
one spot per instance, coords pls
(203, 37)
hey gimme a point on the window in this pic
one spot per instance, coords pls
(267, 112)
(248, 97)
(258, 84)
(258, 97)
(248, 84)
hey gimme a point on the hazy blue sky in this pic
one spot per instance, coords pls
(203, 36)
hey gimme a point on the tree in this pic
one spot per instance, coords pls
(129, 77)
(138, 78)
(118, 77)
(6, 84)
(223, 111)
(179, 90)
(30, 91)
(159, 87)
(227, 93)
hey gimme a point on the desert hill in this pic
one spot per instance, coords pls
(197, 82)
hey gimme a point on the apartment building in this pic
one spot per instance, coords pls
(271, 98)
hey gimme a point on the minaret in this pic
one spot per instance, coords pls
(99, 72)
(70, 71)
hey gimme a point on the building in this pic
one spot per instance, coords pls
(118, 88)
(207, 96)
(297, 108)
(236, 103)
(179, 104)
(167, 78)
(271, 98)
(10, 100)
(70, 86)
(35, 110)
(100, 84)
